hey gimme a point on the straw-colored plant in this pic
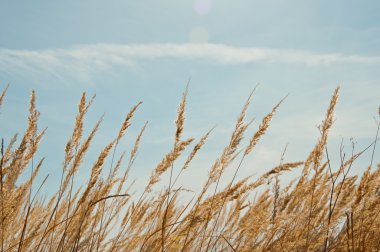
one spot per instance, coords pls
(325, 209)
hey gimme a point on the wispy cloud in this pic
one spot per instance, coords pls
(80, 59)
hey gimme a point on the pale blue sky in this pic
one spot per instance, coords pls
(126, 51)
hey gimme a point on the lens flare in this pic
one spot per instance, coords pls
(199, 35)
(202, 7)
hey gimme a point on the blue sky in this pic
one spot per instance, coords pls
(127, 51)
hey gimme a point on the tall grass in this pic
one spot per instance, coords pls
(324, 209)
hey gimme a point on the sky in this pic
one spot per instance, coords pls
(130, 51)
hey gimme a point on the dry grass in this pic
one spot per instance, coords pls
(325, 209)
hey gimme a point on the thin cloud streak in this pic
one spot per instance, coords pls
(81, 59)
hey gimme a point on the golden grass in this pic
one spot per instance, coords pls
(325, 209)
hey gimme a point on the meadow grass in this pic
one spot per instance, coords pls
(324, 209)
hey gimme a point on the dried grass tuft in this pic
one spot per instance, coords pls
(325, 209)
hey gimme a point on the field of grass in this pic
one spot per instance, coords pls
(324, 209)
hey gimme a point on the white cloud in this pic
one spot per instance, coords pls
(79, 60)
